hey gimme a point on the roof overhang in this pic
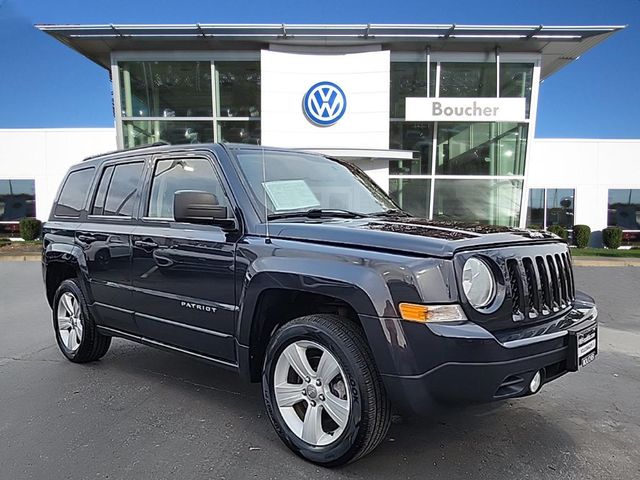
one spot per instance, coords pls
(558, 45)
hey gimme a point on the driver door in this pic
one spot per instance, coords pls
(183, 274)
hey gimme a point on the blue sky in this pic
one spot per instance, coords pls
(45, 84)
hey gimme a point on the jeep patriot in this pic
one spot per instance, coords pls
(297, 271)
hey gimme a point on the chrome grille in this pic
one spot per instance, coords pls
(540, 285)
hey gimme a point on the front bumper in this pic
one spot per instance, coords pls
(426, 365)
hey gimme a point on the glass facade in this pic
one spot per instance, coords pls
(409, 79)
(550, 206)
(459, 79)
(473, 171)
(189, 101)
(492, 202)
(481, 148)
(624, 209)
(413, 194)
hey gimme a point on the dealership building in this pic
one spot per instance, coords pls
(441, 116)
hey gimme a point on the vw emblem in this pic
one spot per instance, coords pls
(324, 103)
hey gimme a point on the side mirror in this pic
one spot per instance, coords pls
(193, 206)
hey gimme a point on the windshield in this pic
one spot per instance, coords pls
(297, 182)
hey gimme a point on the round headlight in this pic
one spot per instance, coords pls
(478, 283)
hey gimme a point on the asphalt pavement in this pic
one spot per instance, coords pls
(140, 413)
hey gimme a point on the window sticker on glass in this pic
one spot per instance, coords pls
(290, 194)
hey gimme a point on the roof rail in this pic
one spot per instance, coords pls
(141, 147)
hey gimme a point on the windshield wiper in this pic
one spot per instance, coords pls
(392, 212)
(317, 213)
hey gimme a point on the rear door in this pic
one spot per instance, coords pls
(183, 274)
(106, 241)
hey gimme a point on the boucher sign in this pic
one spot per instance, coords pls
(420, 109)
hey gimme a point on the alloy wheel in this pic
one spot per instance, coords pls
(311, 392)
(69, 321)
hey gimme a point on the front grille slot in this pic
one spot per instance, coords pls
(533, 289)
(555, 284)
(566, 260)
(564, 287)
(515, 284)
(545, 286)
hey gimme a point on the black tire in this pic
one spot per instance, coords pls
(93, 344)
(370, 414)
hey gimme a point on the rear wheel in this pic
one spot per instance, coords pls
(75, 330)
(322, 391)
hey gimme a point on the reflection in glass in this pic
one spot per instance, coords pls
(74, 193)
(481, 148)
(535, 209)
(165, 89)
(624, 209)
(296, 181)
(416, 136)
(144, 132)
(122, 187)
(412, 194)
(560, 205)
(17, 199)
(492, 202)
(516, 80)
(467, 79)
(173, 175)
(243, 131)
(238, 89)
(409, 79)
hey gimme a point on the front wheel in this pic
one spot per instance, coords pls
(322, 391)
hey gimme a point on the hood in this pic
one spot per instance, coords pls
(406, 234)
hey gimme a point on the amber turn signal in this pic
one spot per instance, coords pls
(431, 313)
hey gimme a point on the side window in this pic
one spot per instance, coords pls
(74, 193)
(172, 175)
(117, 190)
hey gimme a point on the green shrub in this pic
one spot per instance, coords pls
(559, 230)
(581, 235)
(30, 228)
(612, 237)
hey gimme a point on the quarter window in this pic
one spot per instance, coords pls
(74, 193)
(172, 175)
(117, 190)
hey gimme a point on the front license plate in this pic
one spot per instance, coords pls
(583, 347)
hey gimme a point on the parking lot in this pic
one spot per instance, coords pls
(144, 414)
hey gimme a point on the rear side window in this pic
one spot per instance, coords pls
(172, 175)
(74, 193)
(117, 190)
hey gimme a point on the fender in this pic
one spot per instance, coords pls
(361, 287)
(69, 255)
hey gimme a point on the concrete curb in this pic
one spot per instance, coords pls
(605, 262)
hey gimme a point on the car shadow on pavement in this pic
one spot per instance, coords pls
(508, 437)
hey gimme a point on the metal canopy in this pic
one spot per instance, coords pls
(558, 45)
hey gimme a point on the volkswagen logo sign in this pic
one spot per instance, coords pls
(324, 103)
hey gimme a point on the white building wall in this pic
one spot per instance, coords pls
(44, 155)
(591, 167)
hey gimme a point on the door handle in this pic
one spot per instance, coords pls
(86, 238)
(145, 244)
